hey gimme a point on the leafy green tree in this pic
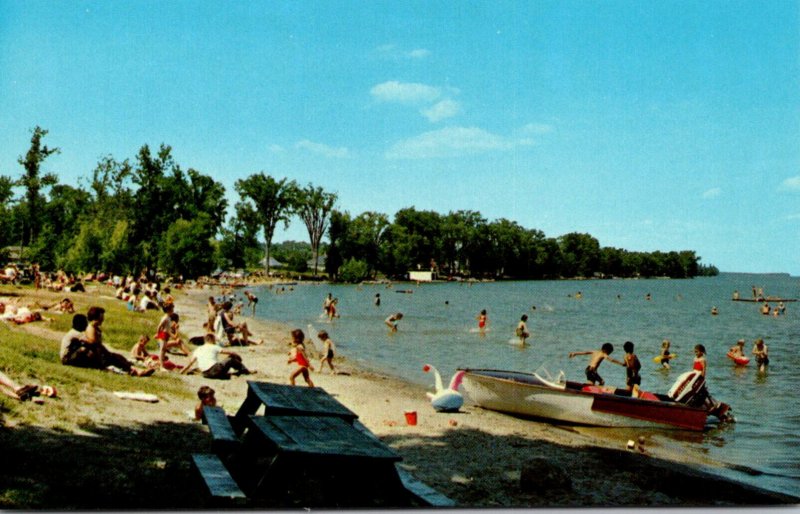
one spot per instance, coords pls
(33, 181)
(187, 249)
(273, 201)
(339, 244)
(6, 195)
(314, 207)
(459, 239)
(422, 230)
(580, 254)
(353, 271)
(239, 246)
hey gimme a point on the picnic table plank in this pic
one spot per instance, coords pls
(321, 436)
(280, 399)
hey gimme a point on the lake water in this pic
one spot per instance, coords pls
(439, 328)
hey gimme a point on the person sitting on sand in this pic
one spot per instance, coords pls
(597, 357)
(139, 351)
(207, 359)
(106, 358)
(207, 399)
(632, 366)
(392, 320)
(327, 351)
(228, 328)
(298, 355)
(173, 339)
(10, 388)
(737, 351)
(761, 353)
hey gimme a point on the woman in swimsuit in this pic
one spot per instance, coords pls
(298, 355)
(700, 359)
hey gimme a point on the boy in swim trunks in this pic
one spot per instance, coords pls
(632, 366)
(597, 356)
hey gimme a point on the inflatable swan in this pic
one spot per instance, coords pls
(445, 400)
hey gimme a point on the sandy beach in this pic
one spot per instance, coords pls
(475, 457)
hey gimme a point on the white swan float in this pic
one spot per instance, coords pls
(445, 400)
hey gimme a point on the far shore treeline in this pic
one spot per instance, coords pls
(152, 215)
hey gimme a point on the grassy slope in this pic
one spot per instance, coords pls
(57, 455)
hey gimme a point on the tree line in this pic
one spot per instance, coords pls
(149, 214)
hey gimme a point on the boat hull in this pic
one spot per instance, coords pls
(524, 394)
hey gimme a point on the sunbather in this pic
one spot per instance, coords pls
(16, 391)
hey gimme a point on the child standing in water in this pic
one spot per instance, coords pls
(327, 351)
(298, 355)
(699, 359)
(632, 367)
(392, 320)
(761, 354)
(522, 329)
(482, 320)
(666, 356)
(597, 357)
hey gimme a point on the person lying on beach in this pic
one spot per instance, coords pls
(298, 355)
(207, 398)
(207, 359)
(392, 320)
(597, 357)
(11, 389)
(27, 316)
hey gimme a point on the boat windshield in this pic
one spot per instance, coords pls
(543, 374)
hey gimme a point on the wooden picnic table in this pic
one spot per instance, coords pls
(321, 455)
(281, 399)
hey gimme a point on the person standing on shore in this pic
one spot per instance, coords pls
(298, 355)
(327, 351)
(252, 301)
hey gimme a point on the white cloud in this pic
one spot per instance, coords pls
(793, 217)
(276, 149)
(536, 129)
(451, 142)
(442, 110)
(405, 93)
(392, 51)
(322, 149)
(791, 184)
(714, 192)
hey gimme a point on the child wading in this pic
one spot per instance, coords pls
(597, 356)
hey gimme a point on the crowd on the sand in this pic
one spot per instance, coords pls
(83, 345)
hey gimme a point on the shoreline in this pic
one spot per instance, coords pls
(476, 457)
(478, 436)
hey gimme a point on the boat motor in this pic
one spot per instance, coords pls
(690, 389)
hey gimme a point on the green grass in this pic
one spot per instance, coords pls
(57, 456)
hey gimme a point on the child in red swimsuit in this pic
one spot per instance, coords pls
(700, 359)
(298, 355)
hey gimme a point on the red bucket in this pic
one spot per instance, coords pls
(411, 417)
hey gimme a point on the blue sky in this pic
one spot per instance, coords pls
(650, 125)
